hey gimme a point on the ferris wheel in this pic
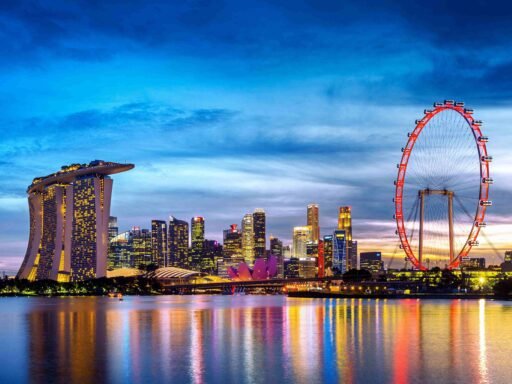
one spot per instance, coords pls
(442, 188)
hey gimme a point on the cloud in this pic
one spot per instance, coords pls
(224, 107)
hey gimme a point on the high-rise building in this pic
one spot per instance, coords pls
(113, 229)
(313, 221)
(232, 245)
(328, 252)
(339, 251)
(248, 239)
(69, 214)
(321, 260)
(372, 261)
(276, 249)
(352, 255)
(212, 255)
(307, 267)
(197, 242)
(259, 233)
(142, 252)
(312, 249)
(159, 243)
(345, 223)
(177, 239)
(120, 253)
(291, 268)
(301, 236)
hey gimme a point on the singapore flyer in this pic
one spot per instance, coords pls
(442, 188)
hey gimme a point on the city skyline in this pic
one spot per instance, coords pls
(275, 118)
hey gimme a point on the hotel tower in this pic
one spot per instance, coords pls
(69, 215)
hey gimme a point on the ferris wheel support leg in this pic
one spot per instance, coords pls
(450, 224)
(422, 216)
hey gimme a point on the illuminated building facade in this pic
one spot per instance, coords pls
(301, 236)
(197, 242)
(313, 221)
(212, 255)
(345, 223)
(177, 239)
(276, 249)
(320, 259)
(339, 251)
(328, 251)
(259, 223)
(113, 229)
(248, 239)
(69, 222)
(142, 251)
(312, 249)
(307, 267)
(232, 249)
(159, 243)
(473, 263)
(120, 251)
(291, 268)
(371, 261)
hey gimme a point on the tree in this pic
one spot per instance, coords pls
(357, 275)
(503, 287)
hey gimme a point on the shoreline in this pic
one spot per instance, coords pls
(429, 296)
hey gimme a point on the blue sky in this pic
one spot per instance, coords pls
(225, 106)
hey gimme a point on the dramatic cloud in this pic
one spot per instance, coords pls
(225, 107)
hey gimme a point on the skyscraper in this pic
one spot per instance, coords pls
(372, 261)
(177, 238)
(345, 223)
(321, 260)
(248, 239)
(69, 214)
(328, 252)
(142, 252)
(301, 236)
(197, 242)
(212, 255)
(259, 232)
(276, 249)
(120, 253)
(339, 250)
(159, 243)
(232, 247)
(113, 229)
(313, 221)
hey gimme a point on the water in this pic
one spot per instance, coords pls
(253, 339)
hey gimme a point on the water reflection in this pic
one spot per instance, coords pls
(214, 339)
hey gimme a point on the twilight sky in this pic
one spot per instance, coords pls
(225, 106)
